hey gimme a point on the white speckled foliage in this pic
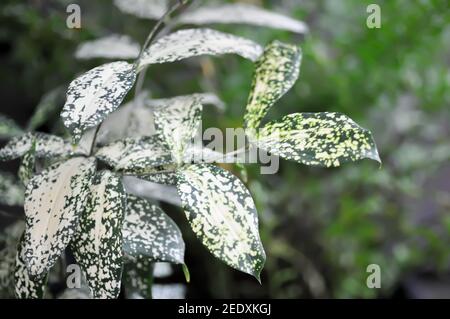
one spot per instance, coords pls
(25, 286)
(138, 277)
(114, 46)
(149, 232)
(195, 42)
(148, 9)
(178, 123)
(26, 168)
(222, 214)
(97, 244)
(242, 13)
(135, 155)
(276, 72)
(54, 200)
(47, 146)
(317, 139)
(95, 94)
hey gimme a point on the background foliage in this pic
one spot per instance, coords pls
(320, 227)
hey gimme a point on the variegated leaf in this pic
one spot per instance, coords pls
(8, 128)
(203, 98)
(114, 46)
(97, 244)
(276, 72)
(95, 94)
(11, 191)
(9, 239)
(47, 146)
(177, 124)
(54, 201)
(138, 278)
(165, 175)
(222, 214)
(147, 9)
(47, 108)
(26, 287)
(322, 139)
(152, 190)
(242, 13)
(136, 155)
(26, 168)
(149, 232)
(195, 42)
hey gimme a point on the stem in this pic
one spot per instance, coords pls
(94, 139)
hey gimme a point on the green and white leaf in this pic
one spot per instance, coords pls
(47, 146)
(222, 214)
(147, 9)
(54, 200)
(203, 98)
(114, 46)
(8, 128)
(9, 239)
(97, 244)
(276, 72)
(319, 139)
(26, 168)
(135, 155)
(149, 232)
(165, 175)
(11, 191)
(138, 278)
(27, 287)
(195, 42)
(178, 123)
(95, 94)
(49, 105)
(241, 13)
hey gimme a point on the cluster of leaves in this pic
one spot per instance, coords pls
(75, 197)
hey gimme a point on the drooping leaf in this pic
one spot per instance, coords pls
(222, 214)
(149, 232)
(203, 98)
(46, 146)
(97, 244)
(27, 287)
(177, 124)
(276, 72)
(95, 94)
(49, 105)
(242, 13)
(151, 190)
(165, 175)
(147, 9)
(319, 139)
(195, 42)
(114, 46)
(54, 201)
(11, 191)
(138, 278)
(26, 168)
(8, 128)
(135, 155)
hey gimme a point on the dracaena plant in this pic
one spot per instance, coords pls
(75, 198)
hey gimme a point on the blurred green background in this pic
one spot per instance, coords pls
(320, 227)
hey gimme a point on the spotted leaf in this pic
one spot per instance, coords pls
(222, 214)
(95, 94)
(276, 72)
(241, 13)
(54, 201)
(114, 46)
(178, 123)
(319, 139)
(138, 278)
(195, 42)
(97, 244)
(47, 146)
(8, 128)
(26, 168)
(149, 232)
(148, 9)
(9, 239)
(135, 155)
(25, 286)
(11, 191)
